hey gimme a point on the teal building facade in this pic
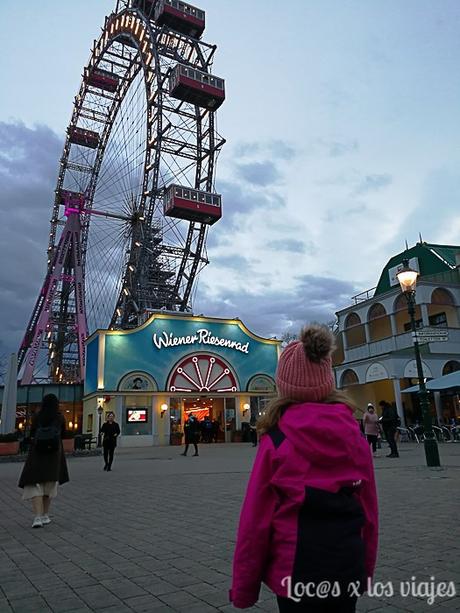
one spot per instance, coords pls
(155, 376)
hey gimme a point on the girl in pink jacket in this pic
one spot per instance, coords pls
(308, 526)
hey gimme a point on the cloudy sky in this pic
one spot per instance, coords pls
(342, 127)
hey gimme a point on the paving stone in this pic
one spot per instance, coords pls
(97, 596)
(201, 588)
(158, 588)
(55, 595)
(143, 604)
(200, 608)
(67, 604)
(123, 588)
(217, 599)
(179, 599)
(119, 608)
(78, 580)
(33, 604)
(17, 589)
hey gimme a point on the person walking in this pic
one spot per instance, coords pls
(111, 431)
(310, 516)
(253, 432)
(191, 429)
(390, 422)
(215, 430)
(206, 430)
(371, 427)
(45, 466)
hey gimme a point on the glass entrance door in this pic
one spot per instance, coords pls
(230, 419)
(218, 419)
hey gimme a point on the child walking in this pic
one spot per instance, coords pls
(308, 525)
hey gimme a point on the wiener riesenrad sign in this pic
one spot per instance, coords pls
(167, 340)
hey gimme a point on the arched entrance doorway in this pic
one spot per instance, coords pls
(204, 379)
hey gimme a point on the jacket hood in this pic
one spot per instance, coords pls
(329, 432)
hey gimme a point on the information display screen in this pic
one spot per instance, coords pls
(136, 415)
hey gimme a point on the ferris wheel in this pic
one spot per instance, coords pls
(135, 193)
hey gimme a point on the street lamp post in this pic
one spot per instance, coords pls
(407, 278)
(99, 436)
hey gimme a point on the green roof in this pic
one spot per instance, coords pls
(432, 260)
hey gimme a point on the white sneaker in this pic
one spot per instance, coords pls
(46, 520)
(38, 523)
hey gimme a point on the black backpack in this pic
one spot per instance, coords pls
(47, 438)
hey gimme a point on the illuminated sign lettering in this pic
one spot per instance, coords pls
(203, 336)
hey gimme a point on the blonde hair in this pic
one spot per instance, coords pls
(277, 405)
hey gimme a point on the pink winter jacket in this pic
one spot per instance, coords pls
(310, 510)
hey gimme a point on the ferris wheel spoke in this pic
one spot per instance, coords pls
(106, 265)
(120, 125)
(120, 177)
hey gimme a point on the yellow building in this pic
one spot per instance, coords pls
(375, 356)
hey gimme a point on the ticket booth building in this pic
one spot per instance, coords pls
(155, 376)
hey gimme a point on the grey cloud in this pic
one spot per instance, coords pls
(28, 168)
(335, 181)
(274, 311)
(259, 173)
(234, 262)
(278, 148)
(372, 183)
(336, 148)
(292, 245)
(283, 150)
(238, 201)
(335, 214)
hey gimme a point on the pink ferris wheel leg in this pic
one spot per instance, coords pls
(42, 322)
(81, 324)
(42, 326)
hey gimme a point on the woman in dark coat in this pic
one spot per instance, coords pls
(111, 431)
(192, 433)
(45, 465)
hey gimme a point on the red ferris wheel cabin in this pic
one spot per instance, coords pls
(180, 16)
(192, 204)
(102, 79)
(197, 87)
(85, 138)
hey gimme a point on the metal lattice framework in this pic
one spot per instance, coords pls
(127, 140)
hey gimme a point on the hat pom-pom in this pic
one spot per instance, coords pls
(318, 342)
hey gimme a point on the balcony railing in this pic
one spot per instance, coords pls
(363, 296)
(401, 341)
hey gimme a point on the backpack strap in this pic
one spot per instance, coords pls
(276, 435)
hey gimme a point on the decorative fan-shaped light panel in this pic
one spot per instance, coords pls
(202, 373)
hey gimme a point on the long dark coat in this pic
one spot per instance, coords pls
(192, 432)
(42, 467)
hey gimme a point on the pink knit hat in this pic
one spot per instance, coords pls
(304, 369)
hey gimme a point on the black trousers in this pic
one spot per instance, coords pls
(390, 434)
(372, 440)
(187, 445)
(337, 605)
(108, 455)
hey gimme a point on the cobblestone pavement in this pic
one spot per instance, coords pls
(157, 533)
